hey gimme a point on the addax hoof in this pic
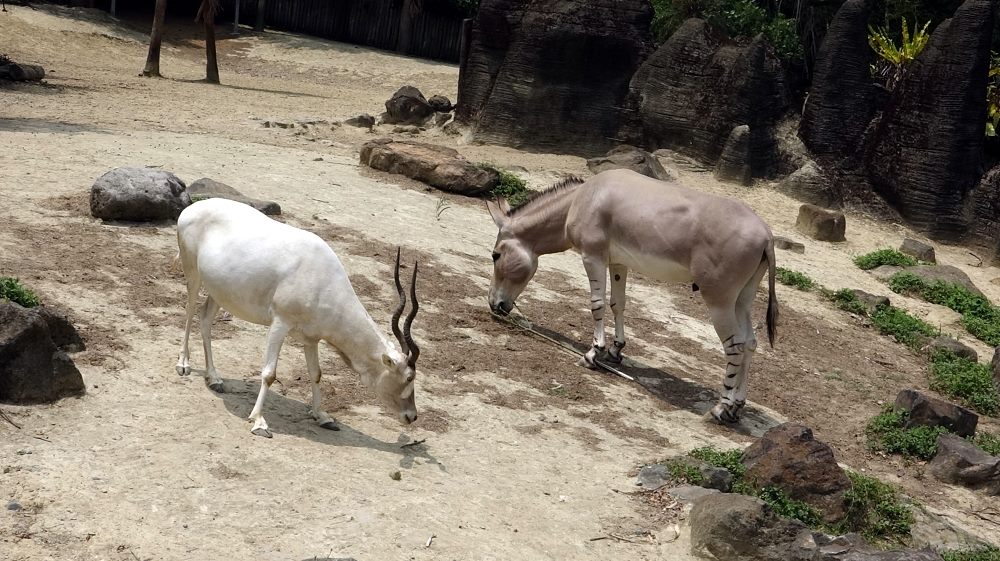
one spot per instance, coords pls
(183, 370)
(217, 387)
(330, 425)
(262, 432)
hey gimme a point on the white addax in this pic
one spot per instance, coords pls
(269, 273)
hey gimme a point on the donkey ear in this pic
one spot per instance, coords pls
(497, 211)
(504, 205)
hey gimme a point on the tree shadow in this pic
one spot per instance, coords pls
(246, 88)
(679, 392)
(35, 125)
(291, 417)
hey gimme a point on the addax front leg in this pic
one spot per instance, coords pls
(312, 363)
(597, 272)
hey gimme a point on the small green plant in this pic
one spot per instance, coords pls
(902, 326)
(875, 511)
(893, 59)
(729, 459)
(794, 278)
(511, 187)
(783, 505)
(979, 316)
(12, 289)
(982, 553)
(966, 380)
(846, 300)
(993, 96)
(887, 433)
(740, 19)
(682, 471)
(885, 256)
(989, 442)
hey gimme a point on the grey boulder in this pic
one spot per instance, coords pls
(138, 195)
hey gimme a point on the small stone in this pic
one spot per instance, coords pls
(14, 505)
(821, 224)
(320, 159)
(410, 129)
(925, 410)
(24, 451)
(653, 477)
(954, 346)
(440, 103)
(395, 476)
(918, 249)
(781, 242)
(284, 125)
(871, 301)
(364, 121)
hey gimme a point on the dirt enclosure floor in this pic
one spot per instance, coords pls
(525, 455)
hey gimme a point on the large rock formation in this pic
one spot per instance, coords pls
(926, 148)
(985, 208)
(698, 86)
(841, 102)
(548, 74)
(437, 166)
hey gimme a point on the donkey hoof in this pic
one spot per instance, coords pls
(217, 387)
(722, 415)
(183, 370)
(584, 362)
(330, 425)
(612, 359)
(262, 432)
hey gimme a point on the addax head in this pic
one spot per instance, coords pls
(514, 263)
(395, 384)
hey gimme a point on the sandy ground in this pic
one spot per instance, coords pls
(526, 456)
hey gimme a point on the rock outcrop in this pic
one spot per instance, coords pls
(138, 194)
(34, 366)
(437, 166)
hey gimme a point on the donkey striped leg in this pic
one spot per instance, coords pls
(734, 347)
(597, 272)
(619, 273)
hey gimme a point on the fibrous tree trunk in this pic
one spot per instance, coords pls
(259, 23)
(206, 13)
(155, 38)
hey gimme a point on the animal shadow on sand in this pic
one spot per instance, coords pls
(291, 417)
(678, 392)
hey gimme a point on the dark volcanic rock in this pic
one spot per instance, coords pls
(547, 75)
(928, 411)
(926, 149)
(841, 100)
(788, 457)
(871, 301)
(440, 103)
(33, 369)
(821, 224)
(852, 547)
(918, 249)
(697, 87)
(733, 527)
(630, 157)
(138, 194)
(437, 166)
(954, 346)
(407, 107)
(734, 163)
(364, 121)
(809, 184)
(985, 206)
(959, 461)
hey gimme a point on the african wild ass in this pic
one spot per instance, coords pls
(268, 273)
(622, 220)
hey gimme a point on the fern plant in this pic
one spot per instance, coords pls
(892, 58)
(993, 96)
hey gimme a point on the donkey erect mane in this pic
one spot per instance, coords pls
(562, 185)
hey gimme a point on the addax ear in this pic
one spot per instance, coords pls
(387, 361)
(498, 210)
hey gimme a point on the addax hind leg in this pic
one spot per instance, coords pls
(275, 337)
(312, 363)
(184, 362)
(744, 308)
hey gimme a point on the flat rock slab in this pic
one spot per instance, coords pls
(206, 188)
(781, 242)
(929, 411)
(138, 195)
(821, 224)
(33, 365)
(871, 301)
(730, 527)
(959, 461)
(630, 157)
(437, 166)
(954, 346)
(918, 249)
(930, 273)
(22, 72)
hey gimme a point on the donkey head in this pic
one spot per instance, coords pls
(514, 263)
(394, 385)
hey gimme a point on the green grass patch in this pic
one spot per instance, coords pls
(783, 505)
(684, 472)
(795, 279)
(729, 459)
(886, 433)
(12, 289)
(875, 510)
(983, 553)
(511, 186)
(902, 326)
(966, 380)
(885, 256)
(990, 443)
(846, 300)
(979, 316)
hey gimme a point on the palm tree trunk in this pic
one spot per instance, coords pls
(211, 62)
(155, 38)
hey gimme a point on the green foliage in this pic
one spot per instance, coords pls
(740, 19)
(846, 300)
(729, 459)
(794, 278)
(982, 553)
(875, 511)
(903, 327)
(990, 443)
(511, 187)
(966, 380)
(886, 433)
(685, 472)
(881, 257)
(12, 289)
(993, 96)
(783, 505)
(892, 58)
(979, 316)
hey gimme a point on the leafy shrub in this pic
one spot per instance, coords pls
(990, 443)
(511, 186)
(993, 96)
(886, 433)
(783, 505)
(979, 316)
(846, 300)
(875, 511)
(966, 380)
(729, 459)
(12, 289)
(890, 66)
(903, 327)
(740, 19)
(794, 278)
(684, 472)
(982, 553)
(881, 257)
